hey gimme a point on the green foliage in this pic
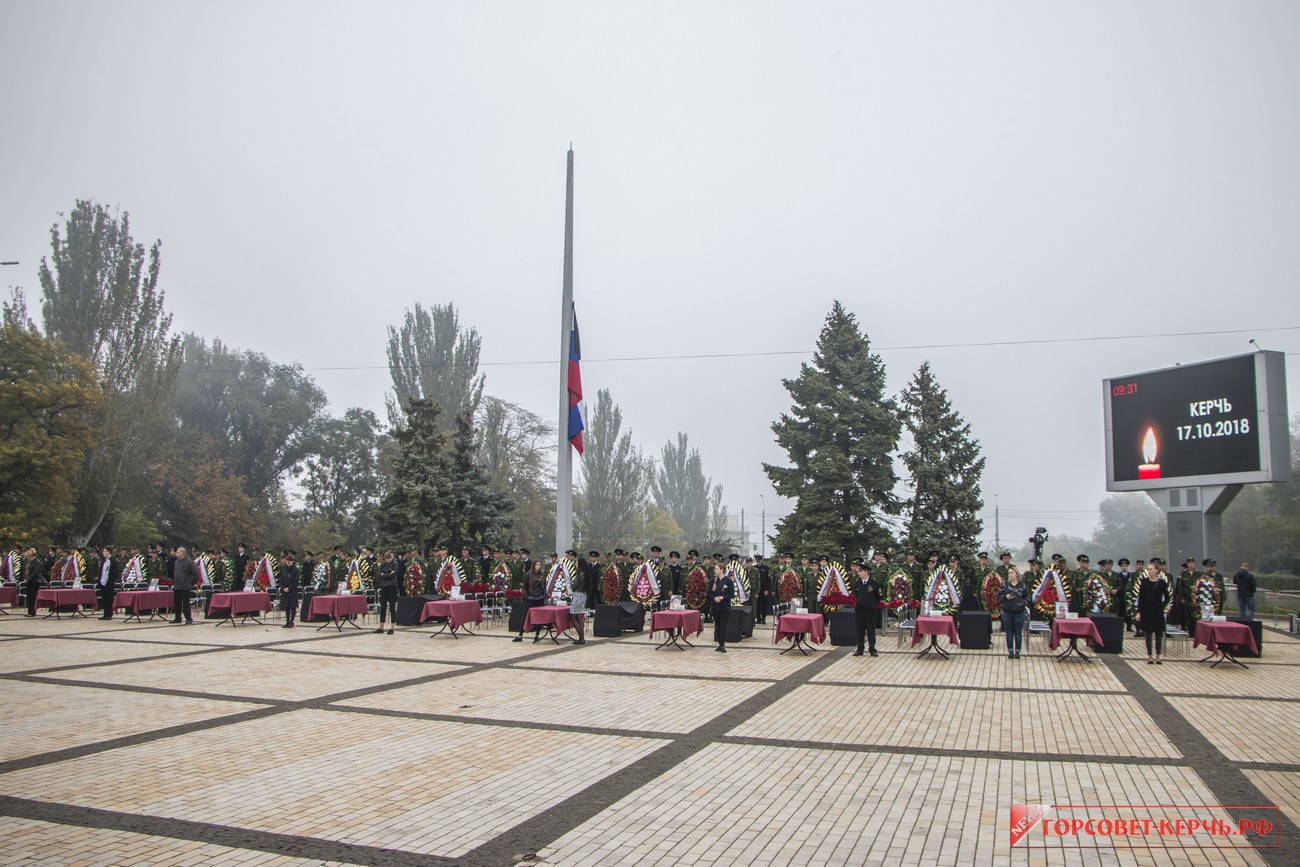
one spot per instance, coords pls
(437, 492)
(1262, 526)
(265, 416)
(101, 300)
(1131, 526)
(516, 449)
(615, 479)
(680, 487)
(49, 401)
(341, 482)
(840, 435)
(430, 357)
(130, 527)
(944, 467)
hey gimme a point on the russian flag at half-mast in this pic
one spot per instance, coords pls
(576, 424)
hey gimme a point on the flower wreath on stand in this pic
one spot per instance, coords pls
(264, 572)
(788, 586)
(133, 572)
(12, 567)
(643, 586)
(1204, 592)
(900, 593)
(359, 577)
(560, 581)
(450, 574)
(415, 578)
(834, 591)
(207, 569)
(321, 577)
(74, 569)
(942, 593)
(1096, 593)
(610, 584)
(500, 578)
(989, 589)
(697, 587)
(1049, 591)
(739, 576)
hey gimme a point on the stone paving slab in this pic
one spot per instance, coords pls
(42, 653)
(1282, 788)
(916, 718)
(418, 646)
(253, 674)
(1244, 730)
(596, 700)
(40, 718)
(1197, 678)
(414, 785)
(31, 842)
(637, 655)
(774, 806)
(974, 671)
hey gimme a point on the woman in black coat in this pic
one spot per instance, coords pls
(1153, 598)
(534, 594)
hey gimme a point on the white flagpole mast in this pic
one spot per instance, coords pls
(564, 455)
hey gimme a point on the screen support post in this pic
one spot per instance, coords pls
(1194, 518)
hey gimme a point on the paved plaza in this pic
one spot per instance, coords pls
(159, 744)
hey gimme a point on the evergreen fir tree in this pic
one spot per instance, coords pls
(944, 465)
(483, 512)
(840, 435)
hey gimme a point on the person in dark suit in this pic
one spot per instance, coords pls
(109, 573)
(290, 585)
(866, 605)
(534, 595)
(721, 590)
(241, 563)
(764, 588)
(185, 577)
(387, 579)
(34, 576)
(1153, 597)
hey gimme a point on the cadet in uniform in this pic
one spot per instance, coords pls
(867, 590)
(721, 591)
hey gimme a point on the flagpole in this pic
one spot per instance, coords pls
(564, 454)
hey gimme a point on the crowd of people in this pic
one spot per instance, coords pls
(1148, 596)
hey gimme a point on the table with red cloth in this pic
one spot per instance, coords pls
(241, 604)
(136, 602)
(8, 596)
(795, 626)
(56, 599)
(457, 611)
(339, 609)
(554, 619)
(678, 624)
(935, 625)
(1221, 638)
(1074, 629)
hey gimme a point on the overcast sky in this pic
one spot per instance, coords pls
(955, 173)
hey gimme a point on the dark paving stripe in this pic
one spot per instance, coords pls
(221, 835)
(1284, 767)
(1224, 778)
(507, 723)
(547, 827)
(1218, 696)
(1004, 755)
(178, 654)
(959, 687)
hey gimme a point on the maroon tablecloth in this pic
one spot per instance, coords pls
(457, 611)
(1210, 634)
(687, 621)
(135, 601)
(936, 624)
(240, 603)
(337, 607)
(1080, 627)
(8, 596)
(790, 624)
(557, 615)
(64, 598)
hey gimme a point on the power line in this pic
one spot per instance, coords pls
(777, 353)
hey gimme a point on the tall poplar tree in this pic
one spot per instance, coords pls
(615, 479)
(944, 466)
(681, 489)
(431, 357)
(840, 435)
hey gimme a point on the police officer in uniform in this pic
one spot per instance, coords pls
(867, 591)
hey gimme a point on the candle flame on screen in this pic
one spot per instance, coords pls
(1149, 446)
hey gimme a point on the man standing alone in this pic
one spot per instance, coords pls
(109, 573)
(1245, 583)
(185, 577)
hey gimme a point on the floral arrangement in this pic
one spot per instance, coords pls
(450, 574)
(500, 576)
(697, 587)
(415, 578)
(514, 594)
(321, 576)
(989, 590)
(359, 574)
(942, 593)
(610, 581)
(73, 568)
(833, 584)
(835, 600)
(788, 586)
(1096, 593)
(900, 592)
(1049, 591)
(1205, 592)
(264, 572)
(643, 586)
(560, 581)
